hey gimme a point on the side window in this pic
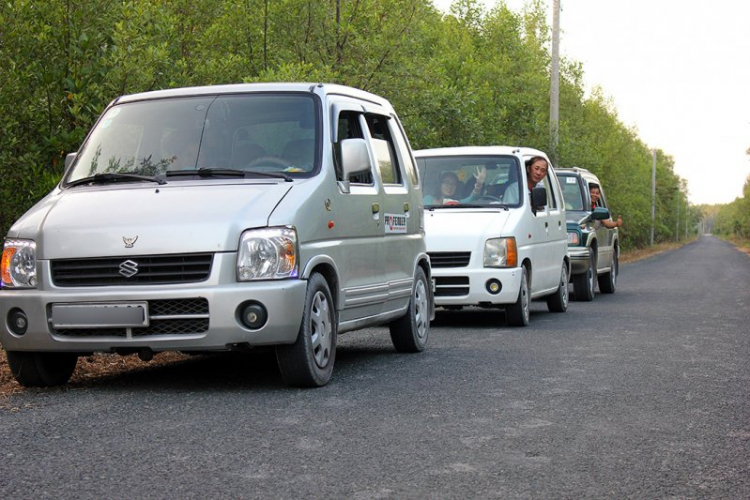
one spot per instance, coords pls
(349, 127)
(405, 151)
(551, 192)
(384, 148)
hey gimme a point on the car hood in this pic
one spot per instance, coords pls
(575, 215)
(452, 230)
(103, 221)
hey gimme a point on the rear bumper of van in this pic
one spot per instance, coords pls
(189, 317)
(466, 287)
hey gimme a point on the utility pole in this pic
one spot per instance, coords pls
(677, 224)
(554, 98)
(653, 194)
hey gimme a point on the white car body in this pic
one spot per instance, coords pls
(457, 234)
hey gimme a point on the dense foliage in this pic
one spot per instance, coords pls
(733, 220)
(468, 78)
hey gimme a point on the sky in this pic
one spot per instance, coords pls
(676, 71)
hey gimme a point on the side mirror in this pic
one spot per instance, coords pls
(355, 158)
(600, 213)
(69, 159)
(538, 198)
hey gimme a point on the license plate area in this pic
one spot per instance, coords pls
(100, 315)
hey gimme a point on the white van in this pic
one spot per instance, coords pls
(222, 218)
(488, 246)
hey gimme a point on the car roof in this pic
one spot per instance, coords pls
(582, 172)
(478, 150)
(321, 89)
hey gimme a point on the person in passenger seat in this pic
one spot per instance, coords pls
(449, 183)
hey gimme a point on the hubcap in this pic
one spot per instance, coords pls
(420, 308)
(321, 328)
(525, 299)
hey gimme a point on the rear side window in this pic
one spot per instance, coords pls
(384, 148)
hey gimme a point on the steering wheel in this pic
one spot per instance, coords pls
(270, 163)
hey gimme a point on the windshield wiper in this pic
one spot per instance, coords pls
(113, 177)
(230, 172)
(467, 205)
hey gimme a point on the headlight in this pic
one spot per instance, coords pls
(574, 238)
(500, 252)
(19, 264)
(267, 254)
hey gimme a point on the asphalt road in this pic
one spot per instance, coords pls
(640, 394)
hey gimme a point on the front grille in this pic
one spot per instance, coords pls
(451, 286)
(449, 259)
(151, 270)
(166, 317)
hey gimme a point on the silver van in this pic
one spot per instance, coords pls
(222, 218)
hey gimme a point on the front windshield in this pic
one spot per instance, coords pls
(450, 181)
(572, 193)
(250, 132)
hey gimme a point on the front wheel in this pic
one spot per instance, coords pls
(584, 285)
(608, 281)
(518, 313)
(409, 333)
(41, 369)
(309, 361)
(558, 301)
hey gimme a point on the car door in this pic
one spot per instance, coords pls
(537, 239)
(400, 219)
(358, 204)
(557, 233)
(604, 236)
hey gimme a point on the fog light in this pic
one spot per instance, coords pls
(253, 315)
(494, 286)
(17, 321)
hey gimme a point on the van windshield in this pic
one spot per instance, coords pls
(248, 132)
(449, 181)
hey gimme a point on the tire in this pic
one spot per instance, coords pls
(41, 369)
(608, 281)
(558, 301)
(309, 361)
(584, 285)
(409, 333)
(518, 314)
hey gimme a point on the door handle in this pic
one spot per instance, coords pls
(546, 224)
(375, 208)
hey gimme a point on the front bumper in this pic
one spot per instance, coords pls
(465, 286)
(283, 300)
(579, 260)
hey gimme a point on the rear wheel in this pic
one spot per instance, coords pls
(41, 369)
(518, 314)
(608, 281)
(309, 361)
(409, 333)
(584, 285)
(558, 301)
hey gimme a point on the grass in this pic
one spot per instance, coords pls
(100, 365)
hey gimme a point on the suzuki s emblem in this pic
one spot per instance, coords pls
(129, 268)
(129, 242)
